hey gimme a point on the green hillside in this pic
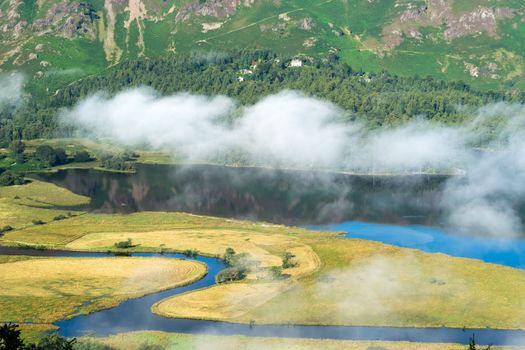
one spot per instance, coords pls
(481, 42)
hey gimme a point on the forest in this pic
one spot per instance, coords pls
(378, 99)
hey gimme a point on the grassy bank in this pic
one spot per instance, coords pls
(177, 341)
(45, 290)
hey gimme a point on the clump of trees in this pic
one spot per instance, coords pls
(117, 161)
(50, 156)
(190, 253)
(44, 156)
(124, 244)
(11, 178)
(239, 265)
(82, 157)
(288, 260)
(5, 229)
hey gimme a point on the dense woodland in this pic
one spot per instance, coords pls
(378, 99)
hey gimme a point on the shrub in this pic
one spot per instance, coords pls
(5, 229)
(190, 253)
(276, 272)
(231, 274)
(116, 161)
(38, 222)
(124, 244)
(288, 261)
(50, 155)
(56, 342)
(59, 217)
(82, 156)
(229, 254)
(9, 178)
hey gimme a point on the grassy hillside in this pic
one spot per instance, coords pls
(480, 42)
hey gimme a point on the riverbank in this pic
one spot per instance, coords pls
(180, 341)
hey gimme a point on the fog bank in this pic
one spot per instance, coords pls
(290, 129)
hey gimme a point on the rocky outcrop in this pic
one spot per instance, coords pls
(211, 8)
(69, 19)
(437, 12)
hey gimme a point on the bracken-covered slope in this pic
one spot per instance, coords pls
(479, 41)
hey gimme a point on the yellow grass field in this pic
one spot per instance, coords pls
(44, 290)
(368, 283)
(177, 341)
(222, 302)
(20, 205)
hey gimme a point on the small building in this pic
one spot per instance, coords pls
(296, 63)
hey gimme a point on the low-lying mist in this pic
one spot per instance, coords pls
(290, 129)
(11, 89)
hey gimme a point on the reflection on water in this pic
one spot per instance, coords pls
(509, 252)
(278, 196)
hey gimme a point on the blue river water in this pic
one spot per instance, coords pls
(508, 252)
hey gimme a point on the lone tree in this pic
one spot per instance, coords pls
(288, 261)
(17, 149)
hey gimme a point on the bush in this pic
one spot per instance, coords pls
(81, 157)
(55, 342)
(231, 274)
(229, 254)
(288, 261)
(239, 266)
(276, 272)
(190, 253)
(124, 244)
(116, 161)
(59, 217)
(38, 222)
(9, 178)
(5, 229)
(51, 156)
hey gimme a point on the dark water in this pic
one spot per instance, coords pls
(278, 196)
(508, 252)
(135, 314)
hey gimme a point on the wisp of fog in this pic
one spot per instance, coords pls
(290, 129)
(11, 89)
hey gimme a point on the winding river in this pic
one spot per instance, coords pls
(408, 204)
(135, 315)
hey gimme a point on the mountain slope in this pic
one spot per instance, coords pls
(481, 42)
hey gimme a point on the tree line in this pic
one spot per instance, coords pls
(248, 75)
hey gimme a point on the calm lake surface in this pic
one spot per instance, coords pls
(277, 196)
